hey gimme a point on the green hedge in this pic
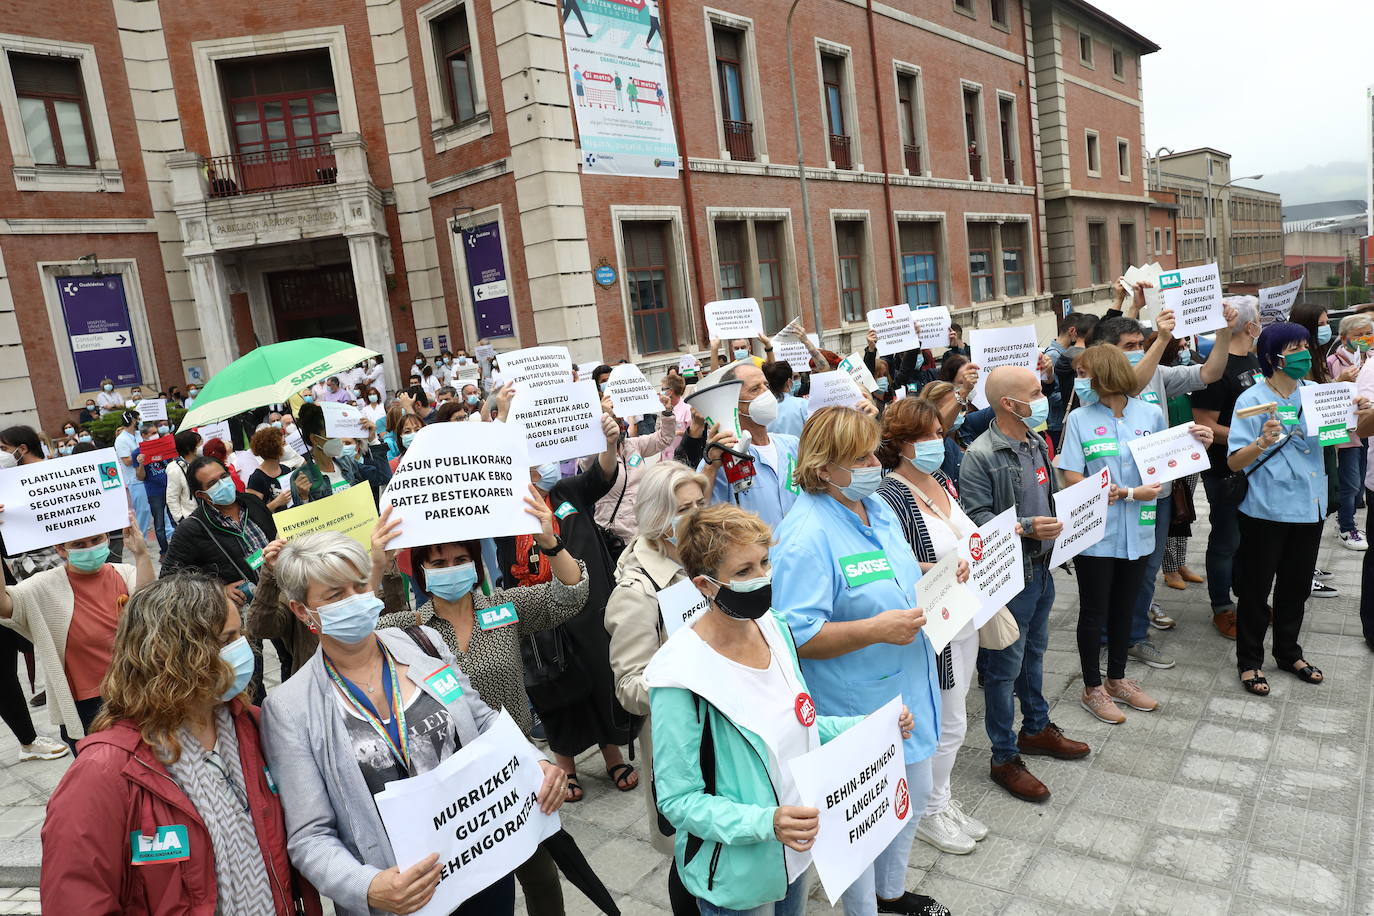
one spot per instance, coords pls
(107, 427)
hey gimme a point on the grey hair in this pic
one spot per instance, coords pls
(1350, 322)
(327, 558)
(656, 504)
(1247, 310)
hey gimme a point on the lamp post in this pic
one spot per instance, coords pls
(1210, 239)
(1158, 173)
(801, 176)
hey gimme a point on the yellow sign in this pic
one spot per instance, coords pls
(350, 511)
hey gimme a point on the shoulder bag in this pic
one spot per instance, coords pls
(1237, 483)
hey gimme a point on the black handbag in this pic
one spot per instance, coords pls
(1237, 484)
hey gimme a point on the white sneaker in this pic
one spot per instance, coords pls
(1354, 540)
(973, 828)
(43, 748)
(941, 831)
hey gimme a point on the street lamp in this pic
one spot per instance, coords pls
(1163, 149)
(1211, 241)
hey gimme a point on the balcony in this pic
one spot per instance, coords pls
(271, 170)
(912, 156)
(739, 140)
(839, 151)
(975, 166)
(1009, 169)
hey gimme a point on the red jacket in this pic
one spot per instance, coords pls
(117, 788)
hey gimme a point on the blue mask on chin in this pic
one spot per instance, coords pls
(549, 474)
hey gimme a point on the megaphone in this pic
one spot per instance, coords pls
(719, 404)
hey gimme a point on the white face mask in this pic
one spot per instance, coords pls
(7, 460)
(763, 409)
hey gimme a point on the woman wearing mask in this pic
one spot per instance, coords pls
(152, 473)
(1348, 356)
(267, 445)
(406, 430)
(729, 682)
(89, 413)
(215, 448)
(859, 632)
(1097, 436)
(881, 369)
(926, 505)
(945, 398)
(362, 712)
(191, 394)
(108, 399)
(374, 408)
(69, 431)
(326, 471)
(181, 767)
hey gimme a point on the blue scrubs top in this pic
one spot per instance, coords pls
(1291, 485)
(773, 491)
(791, 417)
(1093, 439)
(829, 566)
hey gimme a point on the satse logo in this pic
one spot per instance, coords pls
(310, 373)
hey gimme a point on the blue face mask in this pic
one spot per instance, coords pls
(883, 384)
(741, 353)
(222, 492)
(549, 474)
(1185, 357)
(83, 438)
(239, 656)
(796, 387)
(1135, 356)
(351, 619)
(1324, 334)
(406, 439)
(1039, 412)
(473, 400)
(1083, 390)
(372, 399)
(920, 360)
(863, 482)
(89, 559)
(349, 451)
(451, 582)
(64, 449)
(930, 454)
(958, 421)
(309, 399)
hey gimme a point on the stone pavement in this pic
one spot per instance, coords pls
(1218, 803)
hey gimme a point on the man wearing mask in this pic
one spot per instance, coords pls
(126, 444)
(740, 349)
(108, 399)
(775, 456)
(1008, 466)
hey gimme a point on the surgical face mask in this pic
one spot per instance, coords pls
(549, 474)
(1039, 412)
(929, 455)
(309, 399)
(406, 439)
(350, 619)
(332, 447)
(164, 430)
(451, 582)
(1297, 365)
(796, 387)
(958, 421)
(69, 430)
(90, 407)
(741, 353)
(7, 459)
(1135, 356)
(64, 449)
(747, 600)
(1185, 357)
(920, 360)
(1083, 390)
(222, 491)
(84, 437)
(419, 362)
(195, 391)
(238, 655)
(863, 482)
(108, 387)
(89, 559)
(349, 451)
(763, 409)
(473, 400)
(372, 398)
(883, 384)
(1324, 334)
(276, 424)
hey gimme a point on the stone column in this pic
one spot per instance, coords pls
(369, 279)
(210, 287)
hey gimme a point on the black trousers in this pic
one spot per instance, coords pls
(86, 711)
(14, 709)
(497, 900)
(539, 883)
(1277, 557)
(1367, 576)
(1108, 589)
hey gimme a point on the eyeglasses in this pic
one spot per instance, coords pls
(240, 794)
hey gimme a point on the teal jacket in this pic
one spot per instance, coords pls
(725, 848)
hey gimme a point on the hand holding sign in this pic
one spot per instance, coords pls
(899, 626)
(396, 891)
(731, 319)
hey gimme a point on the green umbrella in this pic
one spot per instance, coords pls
(271, 375)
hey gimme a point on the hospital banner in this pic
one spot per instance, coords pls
(619, 77)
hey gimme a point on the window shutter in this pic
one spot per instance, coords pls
(37, 75)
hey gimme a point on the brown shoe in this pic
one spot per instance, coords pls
(1017, 780)
(1190, 576)
(1174, 580)
(1052, 743)
(1225, 622)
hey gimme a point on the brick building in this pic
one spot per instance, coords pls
(409, 174)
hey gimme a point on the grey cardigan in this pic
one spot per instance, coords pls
(334, 834)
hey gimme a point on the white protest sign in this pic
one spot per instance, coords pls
(1154, 296)
(220, 431)
(680, 605)
(467, 372)
(631, 394)
(559, 422)
(1276, 302)
(948, 603)
(896, 333)
(858, 783)
(729, 319)
(1169, 454)
(687, 364)
(1082, 509)
(994, 347)
(62, 499)
(536, 367)
(453, 486)
(789, 347)
(484, 351)
(932, 325)
(1193, 294)
(832, 389)
(1329, 411)
(343, 421)
(478, 810)
(150, 409)
(858, 370)
(995, 571)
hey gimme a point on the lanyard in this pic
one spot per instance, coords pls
(393, 732)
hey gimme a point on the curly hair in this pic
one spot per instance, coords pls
(903, 422)
(708, 535)
(165, 662)
(267, 443)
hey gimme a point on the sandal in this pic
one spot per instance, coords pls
(575, 792)
(620, 774)
(1258, 685)
(1307, 672)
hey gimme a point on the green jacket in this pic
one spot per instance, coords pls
(725, 848)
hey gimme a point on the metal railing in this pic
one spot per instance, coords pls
(975, 166)
(912, 155)
(245, 173)
(739, 140)
(839, 151)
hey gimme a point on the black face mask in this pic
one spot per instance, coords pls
(745, 605)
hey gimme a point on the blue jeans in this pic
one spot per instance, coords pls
(1021, 666)
(1222, 543)
(886, 877)
(1140, 615)
(157, 511)
(1350, 468)
(794, 904)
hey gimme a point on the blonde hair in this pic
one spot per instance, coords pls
(1111, 372)
(328, 558)
(1350, 323)
(936, 391)
(708, 535)
(832, 435)
(656, 503)
(165, 661)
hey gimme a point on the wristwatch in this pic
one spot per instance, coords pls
(1129, 495)
(558, 546)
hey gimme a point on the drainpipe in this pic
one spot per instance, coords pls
(882, 149)
(801, 176)
(693, 239)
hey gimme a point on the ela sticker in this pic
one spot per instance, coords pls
(565, 510)
(445, 683)
(494, 618)
(169, 844)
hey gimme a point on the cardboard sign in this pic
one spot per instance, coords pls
(1329, 411)
(948, 603)
(932, 325)
(160, 448)
(350, 511)
(680, 604)
(631, 394)
(995, 571)
(991, 348)
(343, 421)
(453, 486)
(478, 809)
(1082, 509)
(896, 333)
(832, 389)
(1194, 296)
(858, 783)
(559, 422)
(1276, 302)
(536, 367)
(730, 319)
(151, 409)
(1169, 454)
(62, 499)
(858, 370)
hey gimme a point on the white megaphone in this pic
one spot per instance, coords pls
(719, 404)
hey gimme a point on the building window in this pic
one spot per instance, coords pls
(455, 50)
(1118, 63)
(849, 244)
(1097, 244)
(1127, 245)
(739, 130)
(1085, 49)
(647, 276)
(52, 108)
(1006, 122)
(964, 6)
(982, 286)
(1094, 155)
(999, 12)
(908, 98)
(1013, 259)
(732, 254)
(920, 242)
(973, 132)
(1123, 159)
(1157, 235)
(772, 293)
(281, 103)
(832, 76)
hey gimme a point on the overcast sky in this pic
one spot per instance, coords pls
(1279, 86)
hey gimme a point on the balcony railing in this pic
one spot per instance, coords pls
(839, 151)
(739, 140)
(1009, 169)
(243, 173)
(912, 155)
(975, 166)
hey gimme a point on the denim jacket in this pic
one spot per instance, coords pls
(990, 482)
